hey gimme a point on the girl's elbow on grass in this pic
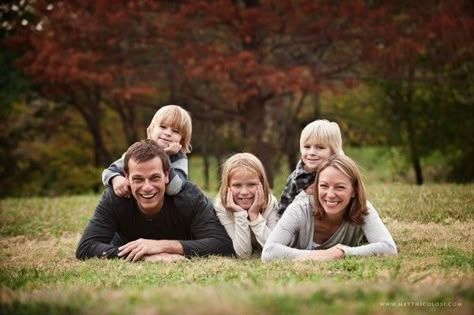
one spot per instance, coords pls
(266, 253)
(242, 253)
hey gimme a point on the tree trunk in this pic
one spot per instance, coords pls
(418, 171)
(205, 155)
(129, 123)
(101, 155)
(412, 139)
(92, 118)
(292, 157)
(414, 154)
(219, 161)
(254, 131)
(294, 128)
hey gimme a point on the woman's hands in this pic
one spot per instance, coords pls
(331, 253)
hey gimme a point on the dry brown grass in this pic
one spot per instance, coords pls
(40, 274)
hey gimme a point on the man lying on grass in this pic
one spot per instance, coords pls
(152, 225)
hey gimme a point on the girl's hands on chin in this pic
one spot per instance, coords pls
(258, 203)
(230, 204)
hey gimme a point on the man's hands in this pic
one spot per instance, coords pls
(146, 249)
(135, 250)
(121, 186)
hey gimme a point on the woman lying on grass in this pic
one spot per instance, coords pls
(336, 220)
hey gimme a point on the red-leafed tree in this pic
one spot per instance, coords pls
(250, 64)
(82, 54)
(258, 58)
(254, 61)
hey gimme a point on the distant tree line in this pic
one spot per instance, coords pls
(82, 79)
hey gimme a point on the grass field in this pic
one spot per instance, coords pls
(378, 165)
(433, 273)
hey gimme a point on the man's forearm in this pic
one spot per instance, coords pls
(209, 246)
(136, 250)
(164, 257)
(170, 247)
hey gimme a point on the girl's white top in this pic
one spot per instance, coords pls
(247, 236)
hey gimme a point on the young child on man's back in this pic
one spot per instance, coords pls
(319, 140)
(171, 128)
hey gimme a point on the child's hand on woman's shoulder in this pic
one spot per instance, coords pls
(310, 189)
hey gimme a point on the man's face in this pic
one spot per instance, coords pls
(147, 182)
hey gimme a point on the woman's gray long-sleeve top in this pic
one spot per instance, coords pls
(293, 235)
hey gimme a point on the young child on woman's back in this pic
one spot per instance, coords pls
(319, 140)
(171, 128)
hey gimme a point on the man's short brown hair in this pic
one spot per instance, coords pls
(145, 150)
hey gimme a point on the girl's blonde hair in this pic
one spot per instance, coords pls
(179, 119)
(249, 162)
(324, 132)
(356, 210)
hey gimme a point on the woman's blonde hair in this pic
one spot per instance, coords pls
(324, 132)
(249, 162)
(179, 119)
(357, 207)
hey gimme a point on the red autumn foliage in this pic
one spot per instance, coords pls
(250, 52)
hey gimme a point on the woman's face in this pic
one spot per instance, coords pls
(334, 191)
(243, 184)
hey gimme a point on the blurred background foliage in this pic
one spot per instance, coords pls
(81, 80)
